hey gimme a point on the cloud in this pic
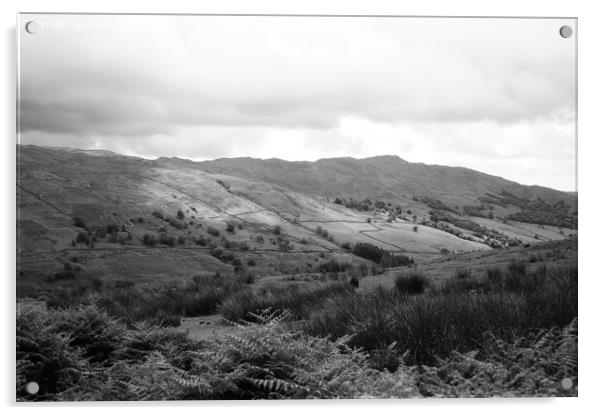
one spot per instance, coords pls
(432, 90)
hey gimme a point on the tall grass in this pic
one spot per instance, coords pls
(166, 304)
(453, 319)
(413, 282)
(159, 303)
(298, 299)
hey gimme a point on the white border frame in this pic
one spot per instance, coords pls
(589, 153)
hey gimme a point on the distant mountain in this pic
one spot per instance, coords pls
(385, 177)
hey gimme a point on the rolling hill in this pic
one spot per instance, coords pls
(385, 177)
(99, 214)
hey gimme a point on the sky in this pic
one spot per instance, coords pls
(494, 95)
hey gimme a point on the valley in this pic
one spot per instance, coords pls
(206, 259)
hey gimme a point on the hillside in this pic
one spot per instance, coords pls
(91, 214)
(134, 252)
(385, 177)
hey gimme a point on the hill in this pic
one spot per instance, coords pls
(386, 177)
(96, 214)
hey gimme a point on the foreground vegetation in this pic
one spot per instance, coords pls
(509, 332)
(452, 317)
(84, 354)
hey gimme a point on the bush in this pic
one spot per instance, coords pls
(67, 273)
(180, 214)
(300, 301)
(230, 228)
(463, 273)
(167, 240)
(212, 231)
(529, 365)
(334, 266)
(411, 283)
(84, 237)
(149, 240)
(277, 230)
(517, 268)
(56, 361)
(79, 222)
(165, 304)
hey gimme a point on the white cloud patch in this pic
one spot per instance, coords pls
(496, 95)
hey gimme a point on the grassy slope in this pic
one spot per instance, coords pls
(385, 177)
(56, 185)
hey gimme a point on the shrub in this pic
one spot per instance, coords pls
(529, 365)
(167, 240)
(334, 266)
(79, 222)
(494, 274)
(225, 257)
(84, 237)
(149, 240)
(517, 268)
(411, 283)
(248, 278)
(463, 273)
(176, 223)
(415, 228)
(180, 214)
(212, 231)
(56, 361)
(300, 301)
(230, 228)
(158, 214)
(277, 230)
(165, 304)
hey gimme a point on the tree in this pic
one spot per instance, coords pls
(149, 240)
(79, 222)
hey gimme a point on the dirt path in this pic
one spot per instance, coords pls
(207, 327)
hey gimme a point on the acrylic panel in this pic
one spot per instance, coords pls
(220, 207)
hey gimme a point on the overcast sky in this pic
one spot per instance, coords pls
(496, 95)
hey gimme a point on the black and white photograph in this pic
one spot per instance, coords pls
(259, 207)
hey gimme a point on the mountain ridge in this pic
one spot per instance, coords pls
(384, 176)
